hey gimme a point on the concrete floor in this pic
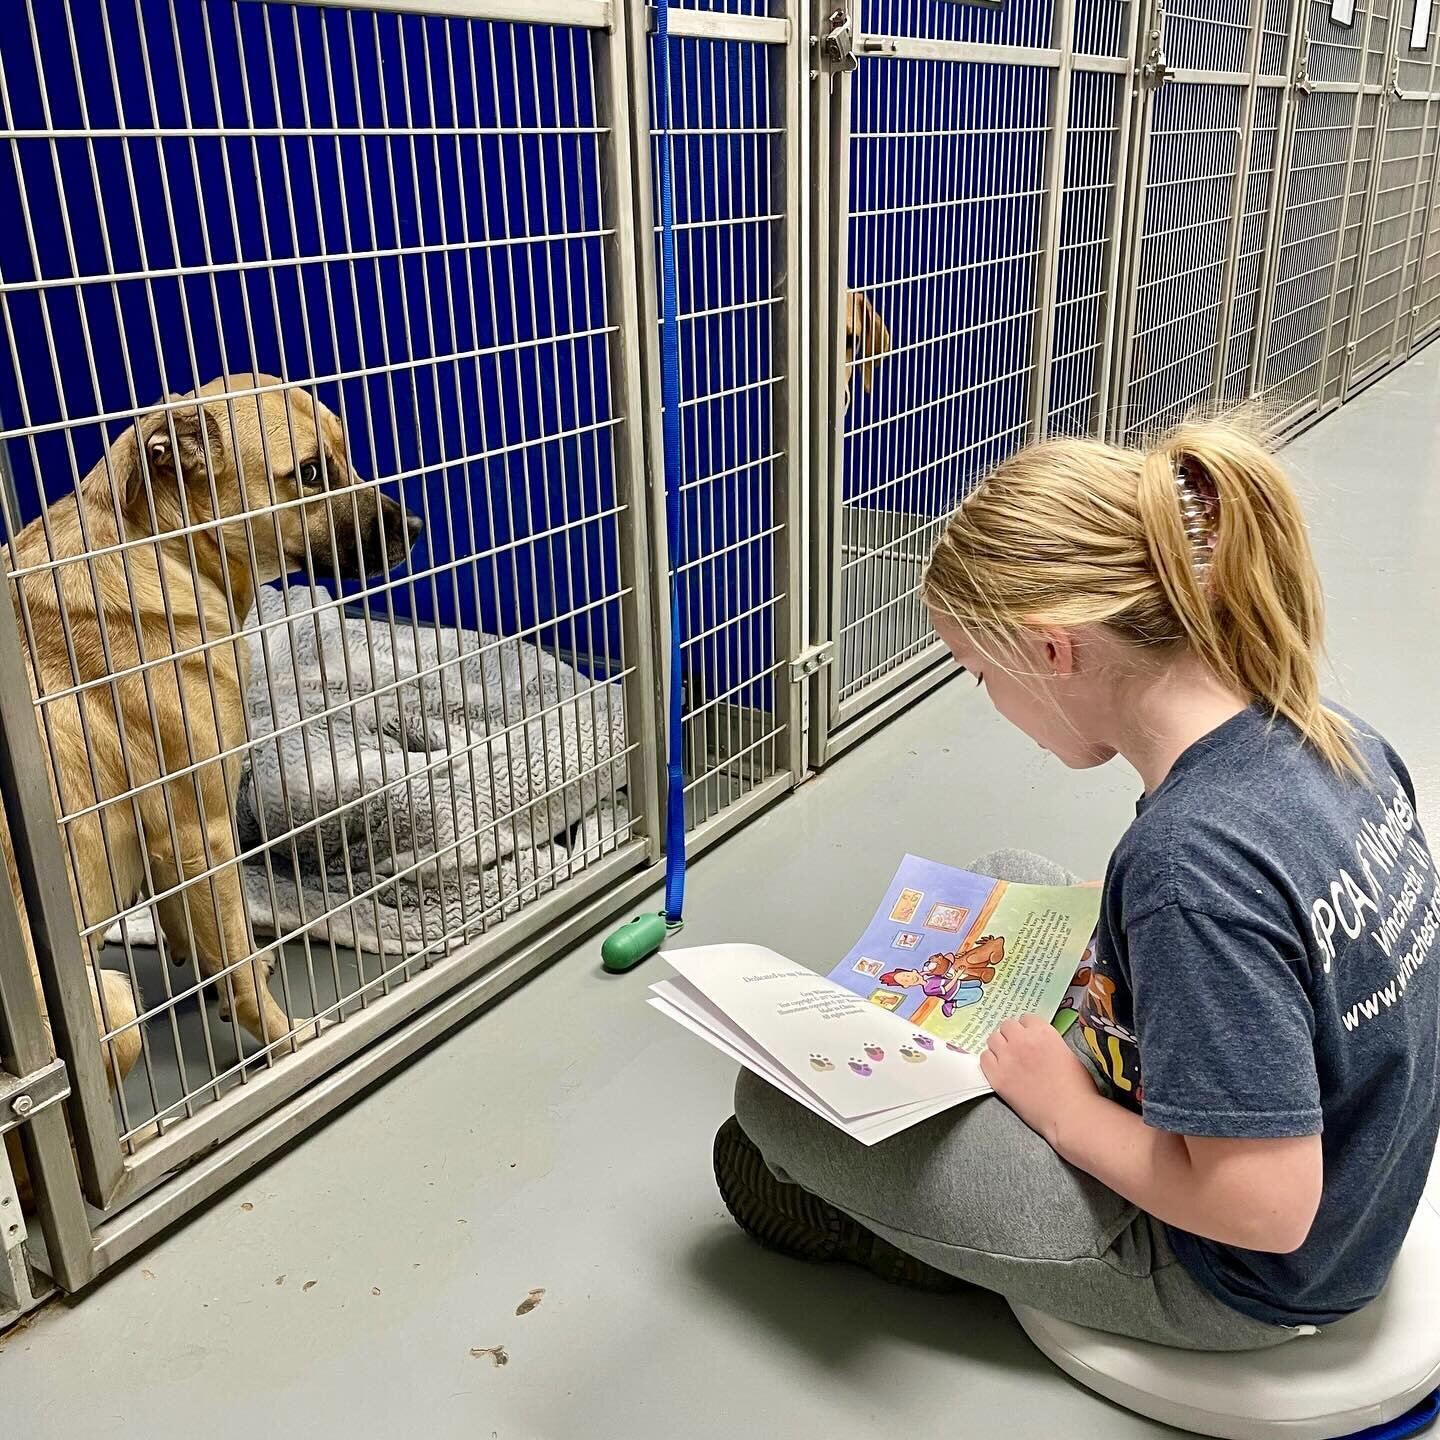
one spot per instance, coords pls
(561, 1139)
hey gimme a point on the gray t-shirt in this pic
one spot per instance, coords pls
(1265, 967)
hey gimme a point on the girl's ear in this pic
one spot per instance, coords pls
(1057, 649)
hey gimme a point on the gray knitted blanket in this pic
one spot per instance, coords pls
(444, 775)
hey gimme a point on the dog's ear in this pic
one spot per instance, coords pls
(122, 459)
(175, 442)
(871, 333)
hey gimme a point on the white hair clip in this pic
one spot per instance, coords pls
(1200, 514)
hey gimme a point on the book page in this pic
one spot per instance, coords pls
(868, 1129)
(956, 954)
(855, 1059)
(677, 998)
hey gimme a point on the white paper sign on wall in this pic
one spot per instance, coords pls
(1420, 25)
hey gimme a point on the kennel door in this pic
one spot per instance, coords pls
(936, 234)
(1425, 296)
(1406, 152)
(422, 221)
(734, 136)
(1417, 75)
(1310, 275)
(1216, 75)
(1423, 263)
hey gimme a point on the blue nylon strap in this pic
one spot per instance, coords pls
(670, 401)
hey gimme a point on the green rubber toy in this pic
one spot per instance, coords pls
(626, 947)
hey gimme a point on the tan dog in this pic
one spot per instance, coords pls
(866, 334)
(180, 480)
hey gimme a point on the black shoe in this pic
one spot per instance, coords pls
(792, 1221)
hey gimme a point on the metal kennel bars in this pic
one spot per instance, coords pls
(910, 236)
(1088, 217)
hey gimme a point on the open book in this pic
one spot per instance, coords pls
(893, 1035)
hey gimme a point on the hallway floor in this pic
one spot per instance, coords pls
(367, 1282)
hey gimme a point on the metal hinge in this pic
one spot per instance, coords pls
(1154, 68)
(1300, 82)
(812, 661)
(837, 44)
(23, 1097)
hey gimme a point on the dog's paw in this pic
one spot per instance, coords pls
(306, 1031)
(295, 1034)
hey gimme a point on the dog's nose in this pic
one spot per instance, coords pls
(413, 526)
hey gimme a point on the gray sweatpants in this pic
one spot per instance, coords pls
(975, 1192)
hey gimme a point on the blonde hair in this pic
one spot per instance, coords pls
(1196, 540)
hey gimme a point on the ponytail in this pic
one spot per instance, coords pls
(1196, 541)
(1228, 544)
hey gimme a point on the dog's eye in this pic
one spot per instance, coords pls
(309, 473)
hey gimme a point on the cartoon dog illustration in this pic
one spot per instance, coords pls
(936, 979)
(977, 961)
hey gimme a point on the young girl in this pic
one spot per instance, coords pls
(1246, 1157)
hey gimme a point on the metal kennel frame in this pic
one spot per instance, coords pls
(438, 218)
(970, 165)
(450, 192)
(1186, 212)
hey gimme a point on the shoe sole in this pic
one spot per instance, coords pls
(791, 1221)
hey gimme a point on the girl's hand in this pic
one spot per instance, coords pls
(1033, 1070)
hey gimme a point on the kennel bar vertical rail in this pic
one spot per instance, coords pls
(791, 280)
(830, 72)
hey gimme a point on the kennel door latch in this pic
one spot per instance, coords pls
(812, 661)
(1301, 82)
(1155, 70)
(837, 45)
(23, 1097)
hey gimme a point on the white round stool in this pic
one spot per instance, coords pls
(1364, 1371)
